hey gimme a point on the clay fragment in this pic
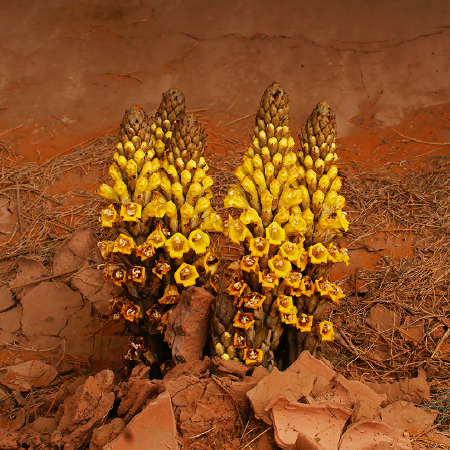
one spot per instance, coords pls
(367, 435)
(312, 427)
(27, 375)
(153, 428)
(106, 434)
(84, 411)
(295, 382)
(188, 327)
(383, 319)
(414, 390)
(6, 299)
(406, 416)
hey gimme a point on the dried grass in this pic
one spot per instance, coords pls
(415, 204)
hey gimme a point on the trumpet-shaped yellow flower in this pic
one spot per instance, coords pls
(290, 317)
(249, 263)
(302, 260)
(249, 215)
(318, 254)
(160, 269)
(307, 286)
(105, 248)
(177, 245)
(108, 192)
(239, 340)
(130, 311)
(308, 216)
(268, 279)
(136, 274)
(296, 224)
(171, 295)
(281, 267)
(253, 356)
(145, 251)
(123, 244)
(237, 288)
(337, 256)
(282, 215)
(243, 320)
(323, 286)
(335, 293)
(109, 217)
(186, 275)
(291, 251)
(199, 241)
(236, 198)
(155, 314)
(305, 323)
(118, 274)
(238, 232)
(259, 247)
(325, 329)
(253, 300)
(157, 238)
(340, 221)
(131, 212)
(294, 279)
(285, 303)
(275, 234)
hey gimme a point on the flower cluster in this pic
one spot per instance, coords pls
(285, 210)
(161, 206)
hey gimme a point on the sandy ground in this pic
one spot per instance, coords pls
(71, 68)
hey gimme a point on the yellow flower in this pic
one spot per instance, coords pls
(107, 192)
(243, 320)
(259, 247)
(171, 295)
(109, 217)
(325, 223)
(326, 331)
(160, 269)
(253, 300)
(302, 260)
(280, 266)
(308, 217)
(105, 248)
(155, 314)
(294, 279)
(268, 279)
(275, 234)
(322, 286)
(186, 275)
(337, 255)
(123, 244)
(239, 340)
(157, 237)
(249, 215)
(340, 222)
(289, 317)
(318, 254)
(249, 264)
(131, 212)
(305, 323)
(214, 282)
(290, 251)
(130, 311)
(238, 232)
(115, 307)
(282, 216)
(136, 274)
(335, 293)
(145, 251)
(118, 273)
(296, 224)
(285, 304)
(236, 198)
(307, 287)
(199, 241)
(237, 288)
(253, 356)
(177, 245)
